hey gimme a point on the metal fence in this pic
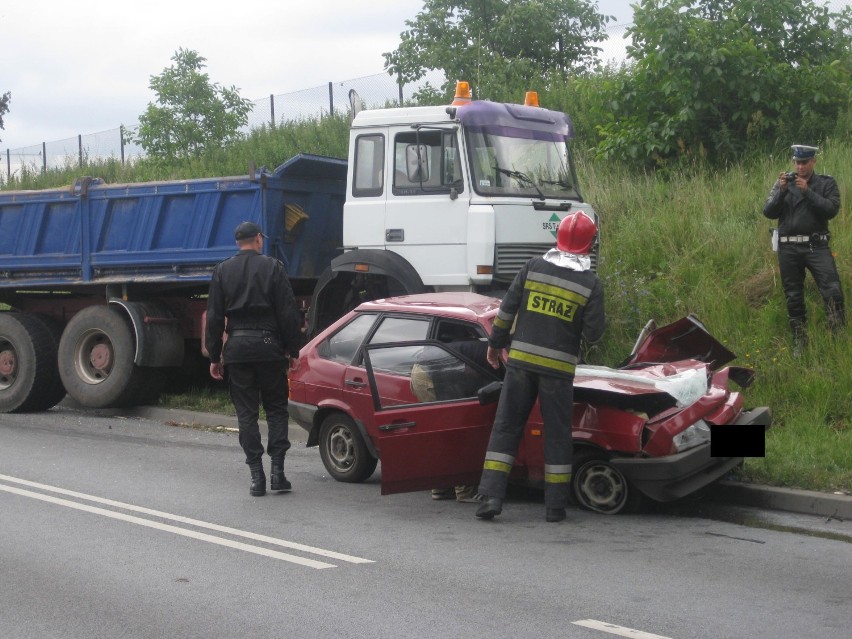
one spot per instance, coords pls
(374, 90)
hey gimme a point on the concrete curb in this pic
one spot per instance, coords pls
(297, 434)
(806, 502)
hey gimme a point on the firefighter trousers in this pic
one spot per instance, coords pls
(556, 399)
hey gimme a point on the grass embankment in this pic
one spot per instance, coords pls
(697, 242)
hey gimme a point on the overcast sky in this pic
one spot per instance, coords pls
(84, 67)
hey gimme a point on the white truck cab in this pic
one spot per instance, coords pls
(447, 198)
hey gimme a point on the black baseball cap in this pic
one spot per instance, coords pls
(248, 230)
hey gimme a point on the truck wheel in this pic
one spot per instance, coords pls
(599, 486)
(343, 450)
(96, 358)
(28, 373)
(55, 391)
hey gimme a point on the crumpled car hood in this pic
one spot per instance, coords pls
(684, 384)
(686, 338)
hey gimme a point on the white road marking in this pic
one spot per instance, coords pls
(621, 631)
(185, 520)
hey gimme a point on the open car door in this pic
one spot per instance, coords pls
(432, 429)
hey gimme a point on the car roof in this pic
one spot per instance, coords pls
(462, 305)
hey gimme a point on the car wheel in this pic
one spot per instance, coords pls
(599, 486)
(343, 451)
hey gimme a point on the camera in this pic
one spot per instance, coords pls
(791, 177)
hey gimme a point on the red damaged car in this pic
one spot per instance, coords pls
(388, 381)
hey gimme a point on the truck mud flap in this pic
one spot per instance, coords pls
(159, 341)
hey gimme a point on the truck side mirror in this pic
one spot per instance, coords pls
(417, 163)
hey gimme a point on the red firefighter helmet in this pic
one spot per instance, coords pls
(576, 233)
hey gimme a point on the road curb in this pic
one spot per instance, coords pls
(806, 502)
(296, 435)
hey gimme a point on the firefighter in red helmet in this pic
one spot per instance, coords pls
(554, 303)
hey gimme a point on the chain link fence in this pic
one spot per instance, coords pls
(377, 90)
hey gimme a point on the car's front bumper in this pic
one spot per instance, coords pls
(675, 476)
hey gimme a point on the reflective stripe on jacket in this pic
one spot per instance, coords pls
(553, 309)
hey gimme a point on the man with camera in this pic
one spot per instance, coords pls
(803, 202)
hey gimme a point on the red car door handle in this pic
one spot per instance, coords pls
(355, 382)
(398, 425)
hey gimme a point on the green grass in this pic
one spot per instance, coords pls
(697, 242)
(690, 240)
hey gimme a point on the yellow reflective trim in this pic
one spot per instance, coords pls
(501, 323)
(557, 478)
(500, 467)
(544, 362)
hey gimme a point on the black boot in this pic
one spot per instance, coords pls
(277, 479)
(554, 514)
(798, 326)
(490, 508)
(836, 316)
(258, 481)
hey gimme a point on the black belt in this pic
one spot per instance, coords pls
(249, 332)
(803, 239)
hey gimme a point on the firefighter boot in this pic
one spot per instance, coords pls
(554, 514)
(277, 480)
(490, 508)
(258, 481)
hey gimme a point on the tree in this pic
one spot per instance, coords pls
(4, 106)
(500, 46)
(714, 78)
(192, 116)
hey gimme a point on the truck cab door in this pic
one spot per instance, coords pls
(432, 430)
(426, 215)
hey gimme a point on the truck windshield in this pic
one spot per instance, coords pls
(521, 166)
(519, 151)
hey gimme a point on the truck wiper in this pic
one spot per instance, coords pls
(563, 183)
(523, 177)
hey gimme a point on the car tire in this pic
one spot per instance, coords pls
(599, 486)
(343, 451)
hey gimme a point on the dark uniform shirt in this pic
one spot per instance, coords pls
(554, 308)
(804, 213)
(252, 291)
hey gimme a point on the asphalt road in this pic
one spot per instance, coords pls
(125, 527)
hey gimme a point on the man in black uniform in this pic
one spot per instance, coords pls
(252, 292)
(803, 203)
(555, 302)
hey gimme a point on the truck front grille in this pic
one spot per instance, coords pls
(512, 257)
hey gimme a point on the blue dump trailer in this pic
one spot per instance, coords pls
(103, 286)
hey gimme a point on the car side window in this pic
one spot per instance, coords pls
(400, 329)
(409, 374)
(344, 344)
(451, 331)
